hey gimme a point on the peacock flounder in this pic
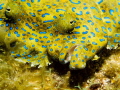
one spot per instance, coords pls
(69, 30)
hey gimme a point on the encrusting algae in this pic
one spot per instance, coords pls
(43, 32)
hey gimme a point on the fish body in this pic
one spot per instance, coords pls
(69, 30)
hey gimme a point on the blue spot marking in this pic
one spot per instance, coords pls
(7, 24)
(34, 34)
(73, 9)
(82, 41)
(58, 10)
(25, 47)
(54, 4)
(117, 35)
(89, 21)
(43, 15)
(103, 11)
(100, 2)
(23, 29)
(74, 2)
(93, 34)
(68, 36)
(51, 34)
(36, 40)
(93, 51)
(29, 55)
(87, 12)
(77, 27)
(19, 19)
(38, 60)
(9, 34)
(97, 17)
(97, 30)
(85, 32)
(106, 17)
(16, 27)
(76, 32)
(15, 32)
(64, 39)
(118, 3)
(61, 53)
(54, 17)
(1, 6)
(76, 55)
(81, 19)
(102, 40)
(85, 8)
(111, 11)
(73, 36)
(86, 49)
(57, 39)
(94, 43)
(12, 52)
(86, 27)
(77, 18)
(28, 60)
(51, 49)
(83, 60)
(48, 21)
(31, 38)
(44, 46)
(73, 42)
(85, 56)
(33, 14)
(28, 4)
(11, 28)
(48, 6)
(104, 31)
(33, 45)
(45, 37)
(66, 47)
(42, 32)
(83, 37)
(18, 55)
(1, 19)
(23, 0)
(49, 27)
(108, 22)
(94, 8)
(110, 29)
(32, 0)
(80, 13)
(48, 41)
(61, 15)
(39, 10)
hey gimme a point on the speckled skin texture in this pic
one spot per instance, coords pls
(68, 30)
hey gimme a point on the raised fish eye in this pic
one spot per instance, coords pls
(8, 9)
(13, 44)
(71, 22)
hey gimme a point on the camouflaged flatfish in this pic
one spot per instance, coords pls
(68, 30)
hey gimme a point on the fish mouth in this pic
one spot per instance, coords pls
(70, 53)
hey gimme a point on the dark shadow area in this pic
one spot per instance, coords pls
(77, 77)
(61, 69)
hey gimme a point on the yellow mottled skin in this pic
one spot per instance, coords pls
(69, 30)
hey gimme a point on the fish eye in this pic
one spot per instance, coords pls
(8, 9)
(71, 22)
(13, 44)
